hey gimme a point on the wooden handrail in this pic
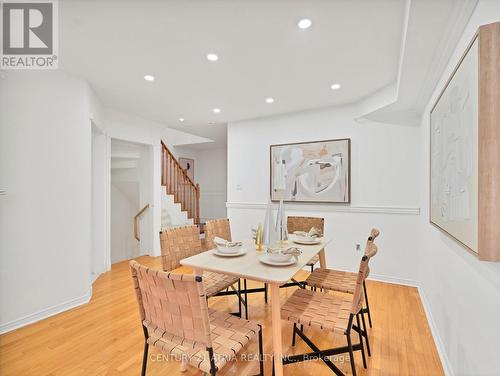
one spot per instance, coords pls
(177, 164)
(136, 221)
(180, 185)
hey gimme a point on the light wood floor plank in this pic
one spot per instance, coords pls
(104, 337)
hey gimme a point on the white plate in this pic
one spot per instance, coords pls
(266, 260)
(298, 240)
(241, 252)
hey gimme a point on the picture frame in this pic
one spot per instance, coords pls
(454, 132)
(188, 165)
(311, 171)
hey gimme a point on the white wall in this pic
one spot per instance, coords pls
(210, 172)
(384, 185)
(45, 166)
(124, 205)
(462, 293)
(122, 126)
(100, 260)
(142, 176)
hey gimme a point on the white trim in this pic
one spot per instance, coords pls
(445, 361)
(330, 208)
(46, 312)
(394, 280)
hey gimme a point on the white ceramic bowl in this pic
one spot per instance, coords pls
(307, 238)
(279, 257)
(224, 249)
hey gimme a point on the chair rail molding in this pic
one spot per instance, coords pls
(402, 210)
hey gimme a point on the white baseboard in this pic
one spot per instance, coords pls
(445, 361)
(45, 313)
(394, 280)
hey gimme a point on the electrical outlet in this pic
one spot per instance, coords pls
(358, 247)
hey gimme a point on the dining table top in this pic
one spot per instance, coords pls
(249, 266)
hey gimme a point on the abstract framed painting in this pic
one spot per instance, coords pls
(318, 171)
(454, 153)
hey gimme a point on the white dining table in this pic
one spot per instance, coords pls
(248, 266)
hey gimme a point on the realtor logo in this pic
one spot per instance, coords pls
(29, 34)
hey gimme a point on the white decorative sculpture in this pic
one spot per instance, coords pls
(269, 235)
(281, 225)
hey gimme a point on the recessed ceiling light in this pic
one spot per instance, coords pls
(335, 87)
(216, 110)
(149, 78)
(181, 119)
(212, 57)
(305, 23)
(269, 100)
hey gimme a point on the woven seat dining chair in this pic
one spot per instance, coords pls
(221, 228)
(305, 224)
(181, 242)
(175, 319)
(343, 281)
(331, 313)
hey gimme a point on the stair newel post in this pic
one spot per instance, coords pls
(183, 187)
(169, 172)
(162, 167)
(177, 184)
(170, 177)
(172, 173)
(168, 169)
(197, 217)
(189, 201)
(183, 192)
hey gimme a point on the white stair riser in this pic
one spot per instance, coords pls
(172, 214)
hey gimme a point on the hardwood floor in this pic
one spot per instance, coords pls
(105, 337)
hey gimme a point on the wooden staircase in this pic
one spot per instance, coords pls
(179, 184)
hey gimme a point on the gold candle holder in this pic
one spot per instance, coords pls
(258, 238)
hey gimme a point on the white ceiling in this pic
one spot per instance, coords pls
(262, 53)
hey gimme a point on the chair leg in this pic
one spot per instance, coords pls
(261, 353)
(265, 293)
(213, 368)
(145, 358)
(360, 333)
(294, 334)
(239, 297)
(367, 305)
(365, 329)
(246, 298)
(351, 353)
(312, 268)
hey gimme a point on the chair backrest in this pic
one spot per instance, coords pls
(357, 298)
(371, 250)
(304, 224)
(217, 228)
(371, 239)
(178, 243)
(172, 303)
